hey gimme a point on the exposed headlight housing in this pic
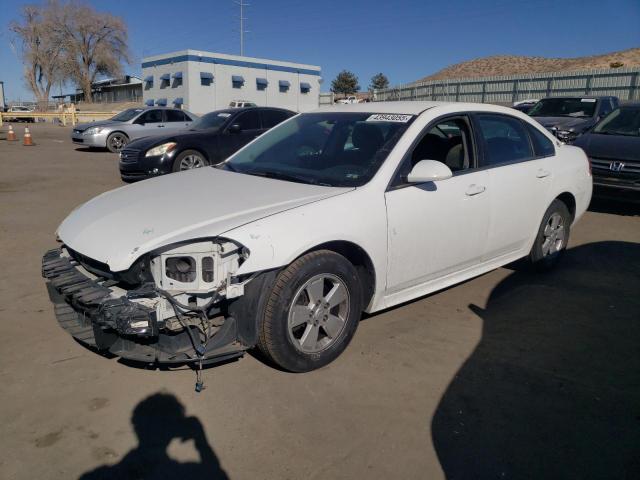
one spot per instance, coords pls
(92, 131)
(161, 149)
(197, 267)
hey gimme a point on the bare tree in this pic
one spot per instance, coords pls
(94, 43)
(40, 48)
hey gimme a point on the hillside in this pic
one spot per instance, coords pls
(516, 65)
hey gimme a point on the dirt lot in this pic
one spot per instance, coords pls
(510, 375)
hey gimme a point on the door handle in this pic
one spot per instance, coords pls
(160, 126)
(543, 173)
(475, 190)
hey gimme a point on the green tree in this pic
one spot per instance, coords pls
(345, 83)
(378, 82)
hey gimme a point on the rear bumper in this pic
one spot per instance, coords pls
(90, 309)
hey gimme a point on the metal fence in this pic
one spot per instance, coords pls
(624, 83)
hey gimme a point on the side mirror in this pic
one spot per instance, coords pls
(429, 171)
(234, 128)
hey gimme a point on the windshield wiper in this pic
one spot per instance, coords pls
(283, 176)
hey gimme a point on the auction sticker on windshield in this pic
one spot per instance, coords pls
(389, 117)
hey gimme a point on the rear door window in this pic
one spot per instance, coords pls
(542, 146)
(504, 139)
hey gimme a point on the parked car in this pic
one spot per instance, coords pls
(568, 117)
(20, 109)
(348, 100)
(209, 140)
(241, 104)
(130, 124)
(613, 147)
(525, 106)
(332, 213)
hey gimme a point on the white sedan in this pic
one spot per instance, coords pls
(338, 211)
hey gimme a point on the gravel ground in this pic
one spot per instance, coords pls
(509, 375)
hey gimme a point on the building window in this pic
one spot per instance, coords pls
(161, 102)
(177, 79)
(178, 102)
(237, 81)
(149, 103)
(206, 78)
(284, 85)
(148, 82)
(261, 83)
(165, 80)
(305, 87)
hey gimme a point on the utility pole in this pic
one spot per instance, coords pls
(241, 4)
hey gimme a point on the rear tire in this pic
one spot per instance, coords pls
(552, 237)
(312, 312)
(188, 160)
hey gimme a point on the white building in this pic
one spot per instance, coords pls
(205, 81)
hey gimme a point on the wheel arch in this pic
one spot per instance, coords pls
(195, 149)
(570, 201)
(119, 131)
(359, 258)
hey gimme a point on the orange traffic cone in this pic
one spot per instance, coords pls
(11, 135)
(27, 138)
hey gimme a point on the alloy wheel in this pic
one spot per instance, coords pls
(554, 235)
(190, 162)
(318, 313)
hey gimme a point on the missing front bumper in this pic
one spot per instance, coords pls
(87, 308)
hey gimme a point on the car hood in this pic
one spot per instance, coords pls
(565, 123)
(119, 226)
(102, 123)
(145, 143)
(610, 147)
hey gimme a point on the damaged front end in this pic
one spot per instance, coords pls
(178, 305)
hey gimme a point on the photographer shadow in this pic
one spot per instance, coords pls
(157, 420)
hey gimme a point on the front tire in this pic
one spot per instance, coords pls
(552, 237)
(188, 160)
(116, 142)
(312, 312)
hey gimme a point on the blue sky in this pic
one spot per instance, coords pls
(404, 39)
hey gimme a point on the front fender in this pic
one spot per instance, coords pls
(276, 241)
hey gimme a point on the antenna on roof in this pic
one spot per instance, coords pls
(242, 4)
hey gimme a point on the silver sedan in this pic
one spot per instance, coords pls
(119, 130)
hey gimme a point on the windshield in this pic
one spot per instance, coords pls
(334, 149)
(210, 120)
(622, 121)
(127, 115)
(564, 107)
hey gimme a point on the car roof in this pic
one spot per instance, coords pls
(596, 97)
(244, 109)
(411, 107)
